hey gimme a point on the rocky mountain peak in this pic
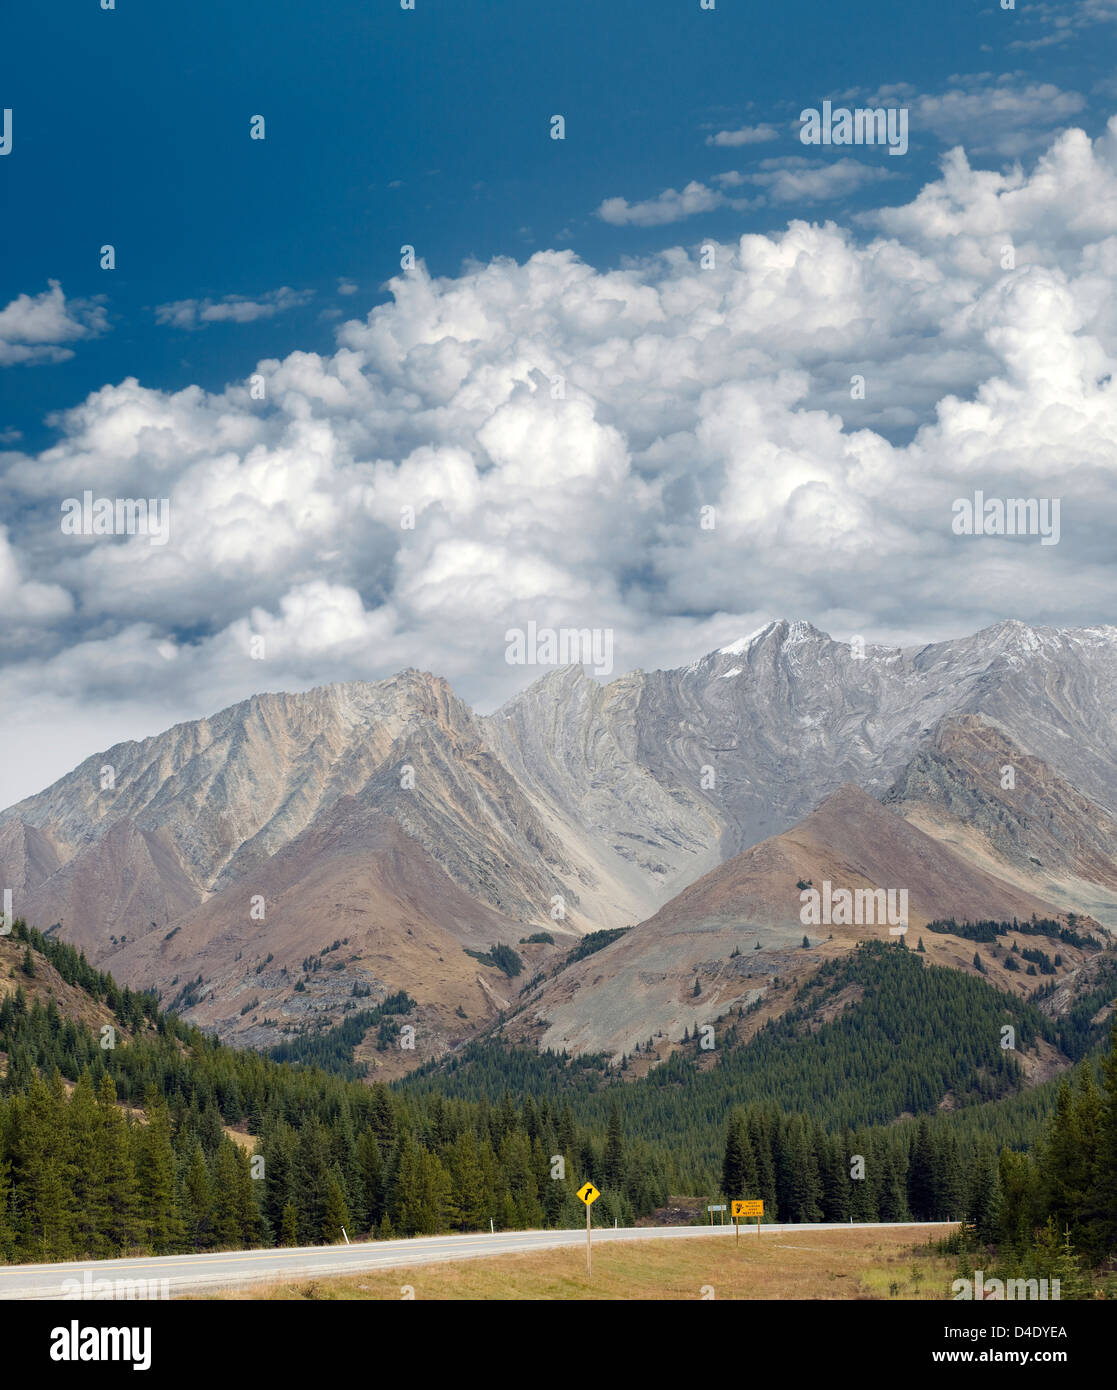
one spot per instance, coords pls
(577, 805)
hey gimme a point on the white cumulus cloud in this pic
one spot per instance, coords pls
(537, 439)
(671, 205)
(746, 135)
(233, 308)
(38, 328)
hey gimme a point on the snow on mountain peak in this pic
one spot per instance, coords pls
(744, 643)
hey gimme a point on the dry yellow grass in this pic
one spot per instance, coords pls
(798, 1265)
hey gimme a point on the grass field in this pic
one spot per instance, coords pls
(822, 1265)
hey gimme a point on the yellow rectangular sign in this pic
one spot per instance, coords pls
(748, 1209)
(588, 1193)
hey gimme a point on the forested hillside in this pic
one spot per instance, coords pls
(114, 1137)
(872, 1037)
(123, 1129)
(1051, 1213)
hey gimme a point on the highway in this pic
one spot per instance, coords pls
(240, 1268)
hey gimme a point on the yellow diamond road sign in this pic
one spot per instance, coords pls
(748, 1208)
(588, 1193)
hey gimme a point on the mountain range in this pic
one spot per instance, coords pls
(267, 868)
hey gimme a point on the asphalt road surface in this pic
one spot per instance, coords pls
(237, 1268)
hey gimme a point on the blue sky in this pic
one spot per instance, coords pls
(427, 127)
(967, 286)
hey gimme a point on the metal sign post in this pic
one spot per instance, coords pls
(588, 1194)
(748, 1209)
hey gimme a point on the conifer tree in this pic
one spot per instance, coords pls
(1065, 1166)
(950, 1178)
(279, 1152)
(368, 1181)
(891, 1192)
(289, 1225)
(1102, 1211)
(312, 1169)
(834, 1176)
(738, 1172)
(226, 1205)
(983, 1207)
(155, 1176)
(922, 1186)
(89, 1167)
(803, 1185)
(1020, 1210)
(336, 1210)
(42, 1175)
(506, 1212)
(759, 1126)
(613, 1167)
(436, 1195)
(566, 1127)
(197, 1200)
(468, 1183)
(406, 1200)
(7, 1234)
(860, 1159)
(122, 1228)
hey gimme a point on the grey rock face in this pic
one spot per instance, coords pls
(606, 799)
(780, 720)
